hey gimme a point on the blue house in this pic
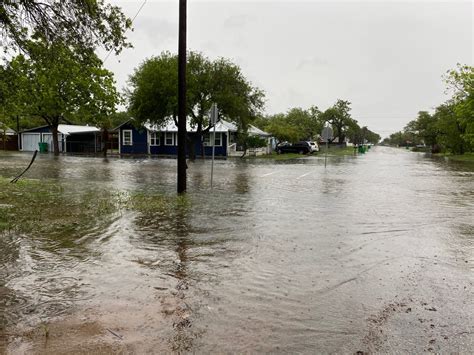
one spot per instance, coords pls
(163, 140)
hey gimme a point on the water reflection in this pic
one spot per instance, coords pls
(278, 257)
(242, 182)
(182, 339)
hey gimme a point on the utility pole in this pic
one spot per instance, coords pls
(182, 98)
(214, 114)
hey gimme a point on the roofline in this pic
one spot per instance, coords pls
(32, 129)
(123, 123)
(69, 133)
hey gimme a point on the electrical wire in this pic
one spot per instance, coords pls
(133, 20)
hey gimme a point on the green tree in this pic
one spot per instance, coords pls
(54, 84)
(295, 125)
(79, 23)
(425, 126)
(307, 122)
(153, 95)
(460, 82)
(281, 129)
(340, 118)
(451, 128)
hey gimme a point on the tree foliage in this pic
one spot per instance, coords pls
(153, 93)
(54, 84)
(306, 124)
(154, 96)
(451, 126)
(79, 23)
(294, 125)
(340, 119)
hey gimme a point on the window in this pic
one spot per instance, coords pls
(127, 137)
(154, 138)
(169, 138)
(207, 139)
(218, 139)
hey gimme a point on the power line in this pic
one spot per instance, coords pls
(133, 19)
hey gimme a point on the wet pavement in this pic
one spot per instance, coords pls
(373, 254)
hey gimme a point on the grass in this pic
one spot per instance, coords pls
(466, 157)
(43, 207)
(46, 208)
(275, 156)
(333, 151)
(336, 151)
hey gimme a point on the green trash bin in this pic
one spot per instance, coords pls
(43, 147)
(361, 149)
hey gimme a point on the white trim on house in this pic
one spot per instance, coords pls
(148, 142)
(131, 136)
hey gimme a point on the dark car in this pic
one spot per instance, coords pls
(299, 147)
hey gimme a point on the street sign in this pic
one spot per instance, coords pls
(327, 133)
(214, 114)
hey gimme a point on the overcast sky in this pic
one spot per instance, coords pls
(386, 57)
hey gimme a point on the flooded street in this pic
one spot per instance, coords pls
(373, 254)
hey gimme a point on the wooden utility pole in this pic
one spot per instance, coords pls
(182, 98)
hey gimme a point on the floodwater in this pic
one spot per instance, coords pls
(373, 254)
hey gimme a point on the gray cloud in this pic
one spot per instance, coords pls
(386, 57)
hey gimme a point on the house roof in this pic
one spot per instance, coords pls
(170, 126)
(257, 131)
(68, 129)
(221, 126)
(71, 129)
(8, 131)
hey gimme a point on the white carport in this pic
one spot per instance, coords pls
(31, 137)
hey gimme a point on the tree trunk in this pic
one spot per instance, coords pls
(105, 141)
(199, 136)
(203, 148)
(191, 150)
(245, 149)
(54, 131)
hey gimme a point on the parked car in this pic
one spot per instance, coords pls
(299, 147)
(314, 146)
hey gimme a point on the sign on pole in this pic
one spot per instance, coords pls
(327, 134)
(214, 114)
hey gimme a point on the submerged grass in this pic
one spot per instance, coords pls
(275, 156)
(337, 151)
(40, 207)
(43, 207)
(467, 157)
(332, 151)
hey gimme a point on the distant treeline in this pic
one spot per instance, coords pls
(306, 124)
(450, 128)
